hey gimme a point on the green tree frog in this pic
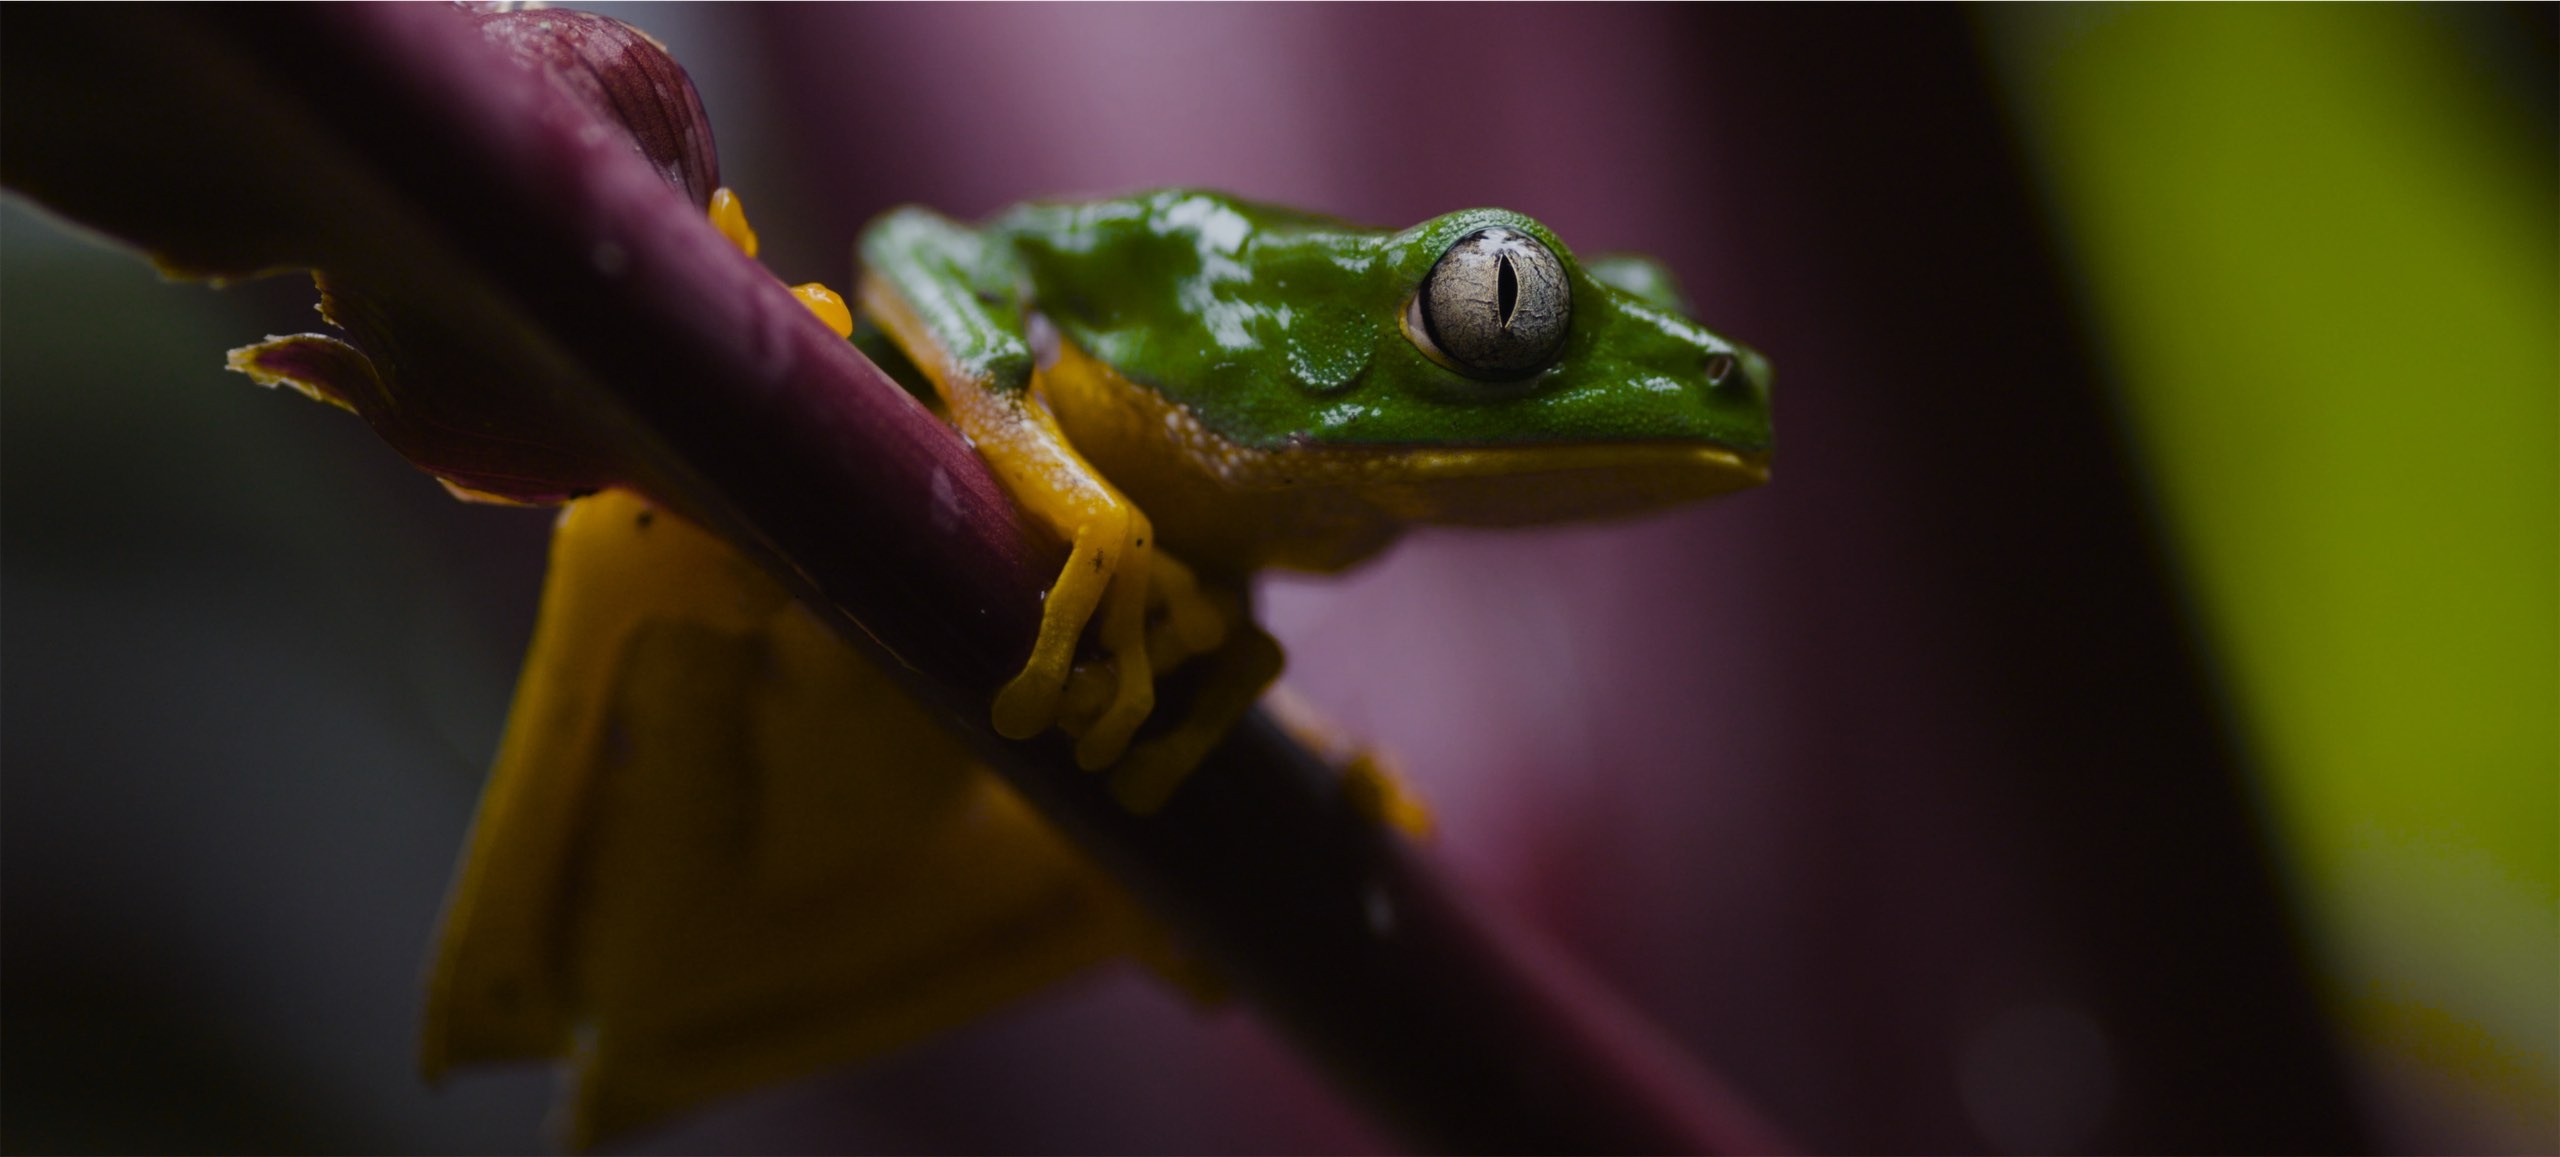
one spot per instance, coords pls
(1183, 375)
(720, 849)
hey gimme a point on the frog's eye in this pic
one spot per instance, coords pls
(1496, 306)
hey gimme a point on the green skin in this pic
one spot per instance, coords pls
(1277, 328)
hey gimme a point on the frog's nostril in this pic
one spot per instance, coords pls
(1719, 367)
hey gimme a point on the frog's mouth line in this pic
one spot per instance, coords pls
(1519, 485)
(1422, 465)
(1717, 468)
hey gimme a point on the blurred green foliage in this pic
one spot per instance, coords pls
(2320, 243)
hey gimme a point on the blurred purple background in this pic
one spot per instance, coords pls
(1897, 791)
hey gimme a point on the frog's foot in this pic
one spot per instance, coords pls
(1101, 578)
(729, 216)
(1238, 672)
(1183, 621)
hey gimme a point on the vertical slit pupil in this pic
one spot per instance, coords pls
(1506, 289)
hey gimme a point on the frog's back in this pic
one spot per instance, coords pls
(1200, 218)
(1250, 316)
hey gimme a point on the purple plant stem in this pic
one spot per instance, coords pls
(390, 141)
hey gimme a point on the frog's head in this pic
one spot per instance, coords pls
(1468, 369)
(1528, 386)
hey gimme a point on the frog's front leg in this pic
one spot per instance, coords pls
(918, 286)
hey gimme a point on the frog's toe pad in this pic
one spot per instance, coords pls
(1027, 705)
(1186, 620)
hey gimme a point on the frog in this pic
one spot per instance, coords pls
(720, 848)
(1189, 387)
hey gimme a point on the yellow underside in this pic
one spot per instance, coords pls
(721, 849)
(1231, 509)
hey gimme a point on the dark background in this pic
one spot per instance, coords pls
(1912, 793)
